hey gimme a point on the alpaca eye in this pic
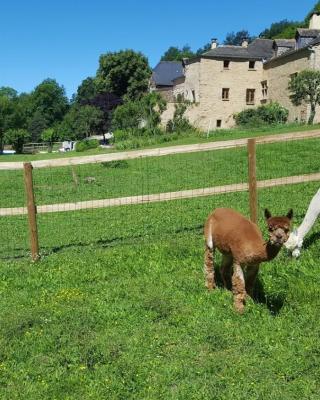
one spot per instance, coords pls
(270, 228)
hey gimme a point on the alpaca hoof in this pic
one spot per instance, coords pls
(239, 307)
(210, 285)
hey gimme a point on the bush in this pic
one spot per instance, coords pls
(87, 144)
(17, 138)
(179, 123)
(272, 113)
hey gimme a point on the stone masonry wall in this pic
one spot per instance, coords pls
(277, 73)
(208, 77)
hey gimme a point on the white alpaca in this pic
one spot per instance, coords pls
(294, 243)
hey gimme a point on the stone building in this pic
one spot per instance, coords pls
(228, 79)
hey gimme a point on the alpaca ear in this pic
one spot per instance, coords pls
(290, 213)
(267, 213)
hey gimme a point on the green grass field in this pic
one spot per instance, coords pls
(117, 309)
(161, 174)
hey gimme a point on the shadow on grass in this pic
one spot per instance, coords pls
(102, 243)
(311, 239)
(273, 302)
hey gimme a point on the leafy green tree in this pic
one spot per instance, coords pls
(145, 113)
(86, 91)
(50, 101)
(49, 136)
(179, 122)
(152, 106)
(125, 73)
(305, 88)
(6, 112)
(236, 38)
(37, 124)
(8, 92)
(279, 30)
(203, 49)
(80, 122)
(17, 138)
(177, 54)
(127, 116)
(315, 8)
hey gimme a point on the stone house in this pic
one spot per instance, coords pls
(163, 78)
(228, 79)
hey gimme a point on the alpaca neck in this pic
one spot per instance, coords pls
(270, 251)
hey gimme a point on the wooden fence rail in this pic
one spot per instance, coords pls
(252, 185)
(159, 152)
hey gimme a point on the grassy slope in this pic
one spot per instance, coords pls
(223, 134)
(117, 309)
(161, 174)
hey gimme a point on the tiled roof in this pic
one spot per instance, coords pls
(290, 43)
(166, 71)
(259, 48)
(313, 33)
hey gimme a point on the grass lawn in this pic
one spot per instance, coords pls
(217, 135)
(117, 309)
(160, 174)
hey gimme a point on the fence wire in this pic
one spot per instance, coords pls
(128, 201)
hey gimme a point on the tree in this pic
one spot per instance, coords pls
(305, 87)
(237, 38)
(125, 73)
(8, 92)
(316, 8)
(80, 122)
(6, 115)
(49, 100)
(203, 49)
(176, 54)
(179, 122)
(37, 124)
(152, 106)
(86, 91)
(17, 138)
(134, 114)
(49, 135)
(281, 29)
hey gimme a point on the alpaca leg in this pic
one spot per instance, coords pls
(209, 267)
(226, 270)
(252, 273)
(238, 288)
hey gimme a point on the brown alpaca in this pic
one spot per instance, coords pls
(241, 243)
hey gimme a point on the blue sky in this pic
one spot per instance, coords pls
(63, 39)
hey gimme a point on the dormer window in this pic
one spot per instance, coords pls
(226, 64)
(252, 64)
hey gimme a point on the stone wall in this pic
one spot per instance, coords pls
(277, 73)
(207, 77)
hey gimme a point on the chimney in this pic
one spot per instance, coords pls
(314, 22)
(214, 43)
(244, 42)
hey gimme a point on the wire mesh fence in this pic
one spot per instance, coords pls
(130, 199)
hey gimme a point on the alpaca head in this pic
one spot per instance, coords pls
(278, 227)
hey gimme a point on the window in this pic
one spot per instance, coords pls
(252, 64)
(225, 94)
(193, 96)
(264, 86)
(226, 64)
(250, 96)
(219, 122)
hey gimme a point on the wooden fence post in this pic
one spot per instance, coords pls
(253, 197)
(32, 211)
